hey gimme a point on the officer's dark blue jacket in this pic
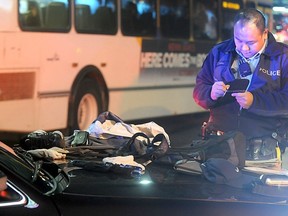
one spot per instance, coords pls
(269, 87)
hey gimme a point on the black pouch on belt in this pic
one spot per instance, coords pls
(262, 148)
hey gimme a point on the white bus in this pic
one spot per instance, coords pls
(65, 61)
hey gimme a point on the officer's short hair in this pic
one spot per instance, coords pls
(252, 15)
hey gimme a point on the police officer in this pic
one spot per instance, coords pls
(254, 55)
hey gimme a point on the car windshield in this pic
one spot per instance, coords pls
(44, 176)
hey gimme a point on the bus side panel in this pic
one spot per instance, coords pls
(19, 115)
(132, 104)
(49, 116)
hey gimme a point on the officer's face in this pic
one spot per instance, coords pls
(249, 40)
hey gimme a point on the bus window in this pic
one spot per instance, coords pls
(83, 17)
(174, 18)
(40, 15)
(138, 18)
(205, 19)
(227, 27)
(33, 16)
(229, 10)
(96, 16)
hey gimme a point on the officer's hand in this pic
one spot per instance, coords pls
(218, 90)
(245, 99)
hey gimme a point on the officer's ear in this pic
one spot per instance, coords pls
(265, 33)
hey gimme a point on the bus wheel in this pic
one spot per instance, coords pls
(87, 105)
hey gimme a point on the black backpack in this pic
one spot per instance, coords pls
(230, 146)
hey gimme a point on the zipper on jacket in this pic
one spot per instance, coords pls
(238, 117)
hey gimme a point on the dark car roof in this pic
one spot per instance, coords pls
(159, 182)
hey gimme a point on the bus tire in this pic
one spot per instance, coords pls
(86, 107)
